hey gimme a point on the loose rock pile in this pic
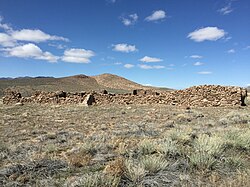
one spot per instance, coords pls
(200, 96)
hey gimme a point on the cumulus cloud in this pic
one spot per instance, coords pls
(198, 63)
(156, 15)
(34, 36)
(125, 48)
(77, 55)
(196, 56)
(128, 66)
(6, 40)
(30, 51)
(150, 59)
(226, 9)
(207, 33)
(130, 20)
(205, 72)
(144, 66)
(28, 35)
(231, 51)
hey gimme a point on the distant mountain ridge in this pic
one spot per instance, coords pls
(76, 83)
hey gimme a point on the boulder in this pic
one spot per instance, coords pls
(89, 100)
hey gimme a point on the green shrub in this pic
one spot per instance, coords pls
(153, 164)
(147, 147)
(134, 171)
(205, 151)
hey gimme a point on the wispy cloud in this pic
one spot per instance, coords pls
(58, 46)
(30, 51)
(247, 47)
(198, 63)
(227, 9)
(144, 66)
(118, 63)
(205, 72)
(150, 59)
(231, 51)
(111, 1)
(128, 66)
(130, 19)
(207, 33)
(125, 48)
(5, 26)
(77, 55)
(156, 15)
(196, 56)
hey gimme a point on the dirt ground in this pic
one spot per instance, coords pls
(73, 145)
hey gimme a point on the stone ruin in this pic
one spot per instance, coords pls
(197, 96)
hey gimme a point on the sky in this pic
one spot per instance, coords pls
(167, 43)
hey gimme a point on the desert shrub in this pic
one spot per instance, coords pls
(95, 180)
(234, 162)
(179, 136)
(238, 139)
(147, 147)
(235, 117)
(4, 151)
(153, 163)
(89, 148)
(134, 171)
(206, 151)
(169, 148)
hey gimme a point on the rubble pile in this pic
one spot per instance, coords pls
(200, 96)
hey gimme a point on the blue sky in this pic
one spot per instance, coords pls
(170, 43)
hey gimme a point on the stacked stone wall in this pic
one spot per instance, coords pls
(200, 96)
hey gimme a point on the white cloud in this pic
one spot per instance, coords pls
(207, 33)
(77, 55)
(226, 9)
(231, 51)
(125, 48)
(156, 15)
(6, 40)
(196, 56)
(150, 59)
(129, 66)
(198, 63)
(58, 46)
(130, 20)
(205, 72)
(144, 66)
(5, 26)
(30, 51)
(118, 63)
(34, 36)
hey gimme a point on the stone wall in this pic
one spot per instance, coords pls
(201, 96)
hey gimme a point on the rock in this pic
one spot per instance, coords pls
(104, 92)
(89, 100)
(196, 96)
(19, 104)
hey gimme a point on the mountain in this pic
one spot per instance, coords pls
(111, 83)
(116, 82)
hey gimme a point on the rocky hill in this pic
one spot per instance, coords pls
(77, 83)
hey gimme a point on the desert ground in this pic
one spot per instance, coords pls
(124, 145)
